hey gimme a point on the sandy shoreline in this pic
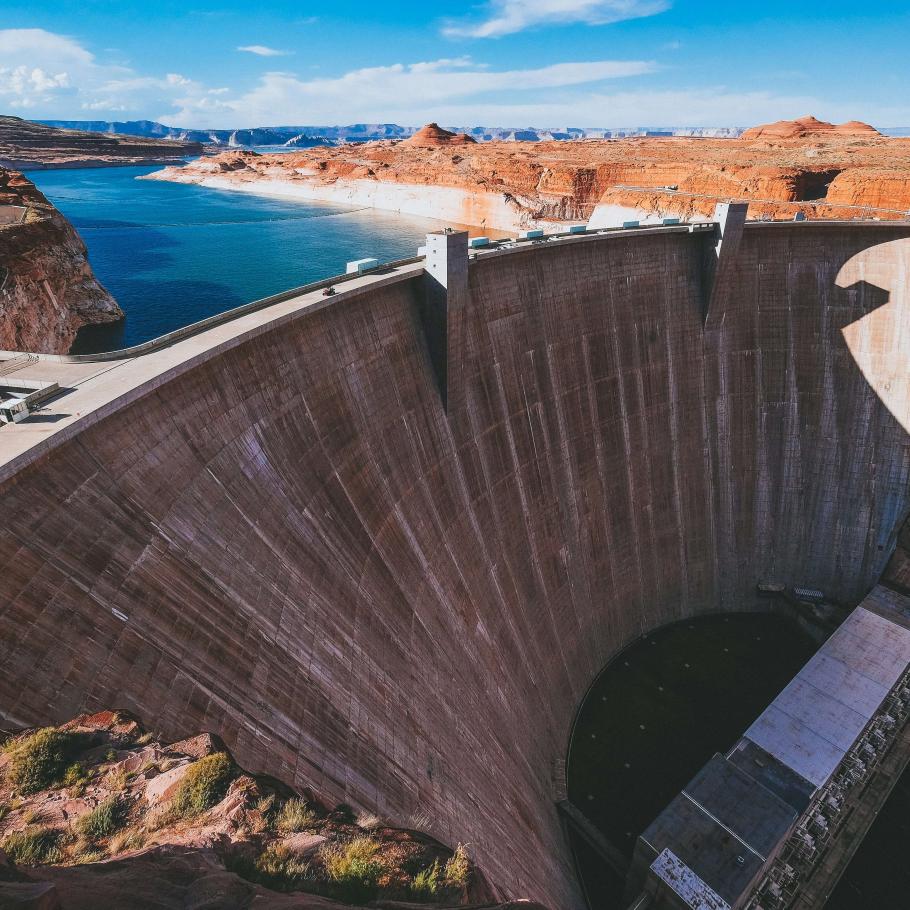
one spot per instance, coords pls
(491, 211)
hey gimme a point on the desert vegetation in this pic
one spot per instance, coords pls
(102, 788)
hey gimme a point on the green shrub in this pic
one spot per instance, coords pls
(277, 861)
(39, 761)
(76, 777)
(106, 818)
(426, 882)
(204, 785)
(354, 868)
(4, 811)
(276, 867)
(458, 868)
(295, 815)
(33, 846)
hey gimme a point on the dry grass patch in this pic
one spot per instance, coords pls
(39, 761)
(106, 818)
(204, 785)
(368, 821)
(33, 846)
(295, 815)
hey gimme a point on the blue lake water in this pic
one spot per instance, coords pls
(172, 254)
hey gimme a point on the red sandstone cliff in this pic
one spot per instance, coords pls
(818, 169)
(809, 126)
(433, 134)
(47, 289)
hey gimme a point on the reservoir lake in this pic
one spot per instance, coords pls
(172, 254)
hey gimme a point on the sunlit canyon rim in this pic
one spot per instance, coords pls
(805, 167)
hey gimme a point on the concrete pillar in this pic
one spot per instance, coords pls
(445, 299)
(721, 264)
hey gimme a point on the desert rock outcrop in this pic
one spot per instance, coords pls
(47, 288)
(805, 167)
(28, 145)
(809, 126)
(433, 134)
(97, 812)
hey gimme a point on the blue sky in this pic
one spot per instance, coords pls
(538, 63)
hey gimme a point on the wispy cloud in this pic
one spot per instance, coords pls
(506, 17)
(260, 50)
(369, 93)
(48, 75)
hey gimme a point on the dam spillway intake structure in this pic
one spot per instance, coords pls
(771, 824)
(382, 542)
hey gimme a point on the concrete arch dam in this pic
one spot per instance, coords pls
(281, 530)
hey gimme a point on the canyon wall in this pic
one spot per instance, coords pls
(47, 288)
(286, 539)
(835, 173)
(32, 146)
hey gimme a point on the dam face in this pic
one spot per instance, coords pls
(287, 539)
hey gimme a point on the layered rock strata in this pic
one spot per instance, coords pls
(806, 169)
(47, 288)
(32, 146)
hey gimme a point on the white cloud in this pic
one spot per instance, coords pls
(46, 75)
(260, 50)
(36, 65)
(24, 42)
(28, 85)
(368, 94)
(715, 106)
(505, 17)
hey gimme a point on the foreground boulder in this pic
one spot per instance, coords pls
(99, 813)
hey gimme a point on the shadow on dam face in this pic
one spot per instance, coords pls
(287, 540)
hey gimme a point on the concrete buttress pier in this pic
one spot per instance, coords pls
(445, 297)
(720, 268)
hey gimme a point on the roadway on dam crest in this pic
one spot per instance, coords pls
(276, 531)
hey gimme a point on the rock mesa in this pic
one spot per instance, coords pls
(803, 167)
(809, 126)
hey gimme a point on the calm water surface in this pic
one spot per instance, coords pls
(172, 254)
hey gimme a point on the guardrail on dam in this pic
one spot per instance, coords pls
(279, 530)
